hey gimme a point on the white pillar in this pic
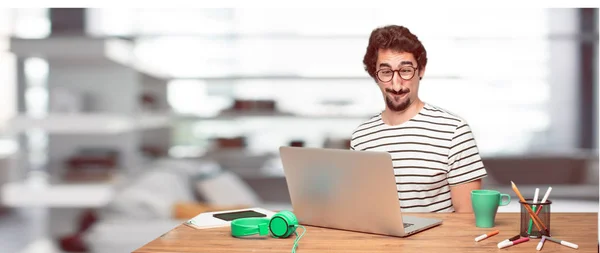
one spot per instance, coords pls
(563, 78)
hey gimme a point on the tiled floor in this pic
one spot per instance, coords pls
(24, 230)
(14, 231)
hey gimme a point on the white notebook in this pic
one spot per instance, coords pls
(224, 218)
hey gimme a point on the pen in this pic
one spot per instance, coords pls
(490, 234)
(565, 243)
(541, 243)
(506, 244)
(509, 239)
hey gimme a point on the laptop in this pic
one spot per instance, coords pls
(347, 190)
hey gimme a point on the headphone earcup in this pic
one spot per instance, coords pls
(291, 217)
(283, 224)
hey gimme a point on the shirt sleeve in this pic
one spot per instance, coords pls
(353, 140)
(464, 162)
(352, 143)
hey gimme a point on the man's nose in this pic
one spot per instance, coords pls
(397, 82)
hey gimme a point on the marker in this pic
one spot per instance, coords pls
(544, 200)
(509, 240)
(546, 195)
(541, 243)
(507, 244)
(490, 234)
(535, 199)
(565, 243)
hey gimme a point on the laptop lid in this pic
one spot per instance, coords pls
(343, 189)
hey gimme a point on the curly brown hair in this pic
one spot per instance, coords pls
(397, 38)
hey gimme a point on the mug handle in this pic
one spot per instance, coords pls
(507, 199)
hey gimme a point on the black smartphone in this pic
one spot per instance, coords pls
(238, 214)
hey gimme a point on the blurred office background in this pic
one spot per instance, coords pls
(117, 124)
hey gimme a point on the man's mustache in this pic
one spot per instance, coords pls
(400, 92)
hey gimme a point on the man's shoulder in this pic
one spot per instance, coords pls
(368, 122)
(364, 129)
(440, 112)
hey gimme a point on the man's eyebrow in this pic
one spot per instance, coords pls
(385, 65)
(406, 63)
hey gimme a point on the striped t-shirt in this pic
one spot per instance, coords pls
(431, 152)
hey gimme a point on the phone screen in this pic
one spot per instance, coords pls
(239, 214)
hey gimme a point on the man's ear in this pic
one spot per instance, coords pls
(421, 73)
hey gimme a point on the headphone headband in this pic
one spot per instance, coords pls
(250, 226)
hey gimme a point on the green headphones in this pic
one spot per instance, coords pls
(280, 225)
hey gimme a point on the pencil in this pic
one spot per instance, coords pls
(534, 217)
(536, 220)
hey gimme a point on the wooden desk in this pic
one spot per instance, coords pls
(456, 234)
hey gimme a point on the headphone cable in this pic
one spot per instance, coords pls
(298, 238)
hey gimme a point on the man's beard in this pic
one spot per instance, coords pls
(399, 107)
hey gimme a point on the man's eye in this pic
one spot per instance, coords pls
(386, 72)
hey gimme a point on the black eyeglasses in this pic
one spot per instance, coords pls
(406, 73)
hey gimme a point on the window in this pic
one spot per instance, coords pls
(502, 75)
(5, 23)
(30, 23)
